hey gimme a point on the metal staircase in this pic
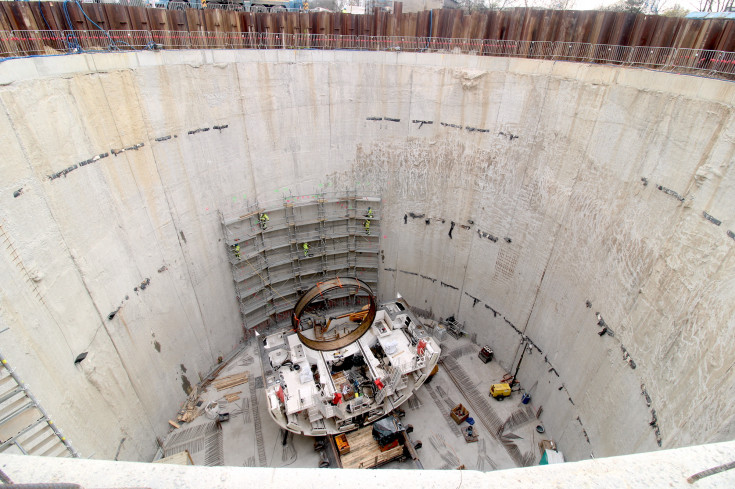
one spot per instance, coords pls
(25, 426)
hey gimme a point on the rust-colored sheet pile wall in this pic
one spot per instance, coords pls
(522, 24)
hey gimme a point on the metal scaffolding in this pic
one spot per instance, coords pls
(280, 250)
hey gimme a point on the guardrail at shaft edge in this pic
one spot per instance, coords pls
(25, 43)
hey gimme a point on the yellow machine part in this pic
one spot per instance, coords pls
(357, 317)
(497, 390)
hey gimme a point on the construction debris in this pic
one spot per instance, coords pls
(189, 411)
(546, 445)
(232, 397)
(211, 411)
(181, 458)
(230, 381)
(470, 435)
(189, 415)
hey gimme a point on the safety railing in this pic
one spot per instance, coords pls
(224, 5)
(39, 43)
(680, 60)
(127, 3)
(231, 5)
(112, 39)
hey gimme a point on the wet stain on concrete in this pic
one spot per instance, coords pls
(185, 384)
(157, 346)
(183, 368)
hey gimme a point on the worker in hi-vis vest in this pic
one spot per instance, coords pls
(366, 225)
(306, 249)
(236, 251)
(264, 221)
(369, 214)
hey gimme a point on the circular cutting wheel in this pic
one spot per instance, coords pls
(334, 313)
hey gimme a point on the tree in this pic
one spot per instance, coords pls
(675, 11)
(558, 4)
(472, 5)
(501, 4)
(633, 6)
(716, 5)
(485, 5)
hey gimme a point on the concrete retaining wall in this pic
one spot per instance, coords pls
(554, 169)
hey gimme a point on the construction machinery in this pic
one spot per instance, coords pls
(343, 362)
(500, 391)
(387, 440)
(274, 5)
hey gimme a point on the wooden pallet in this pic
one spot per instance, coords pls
(470, 438)
(365, 452)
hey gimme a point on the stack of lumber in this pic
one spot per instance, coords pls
(230, 381)
(212, 376)
(232, 397)
(189, 410)
(181, 458)
(365, 451)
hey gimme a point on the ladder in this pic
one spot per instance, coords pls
(293, 248)
(322, 219)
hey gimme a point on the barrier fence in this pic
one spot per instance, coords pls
(186, 4)
(720, 64)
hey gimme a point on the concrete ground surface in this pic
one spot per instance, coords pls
(252, 439)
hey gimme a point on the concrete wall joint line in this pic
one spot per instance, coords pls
(177, 228)
(508, 232)
(80, 277)
(27, 161)
(178, 295)
(140, 273)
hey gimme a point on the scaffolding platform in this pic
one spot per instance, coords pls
(267, 257)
